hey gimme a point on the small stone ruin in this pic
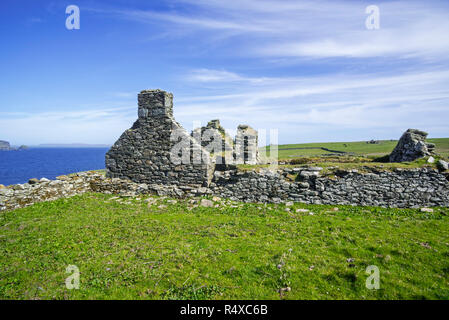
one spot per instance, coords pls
(411, 146)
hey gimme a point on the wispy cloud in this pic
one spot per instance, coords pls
(315, 29)
(368, 102)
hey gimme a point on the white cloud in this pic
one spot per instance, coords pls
(326, 103)
(304, 109)
(314, 29)
(422, 39)
(207, 75)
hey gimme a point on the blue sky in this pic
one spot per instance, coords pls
(310, 69)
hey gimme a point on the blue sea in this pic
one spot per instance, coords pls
(20, 166)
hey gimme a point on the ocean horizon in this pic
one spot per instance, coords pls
(48, 162)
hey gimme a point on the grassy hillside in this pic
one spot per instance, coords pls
(384, 147)
(442, 146)
(159, 249)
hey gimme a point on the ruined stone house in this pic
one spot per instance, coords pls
(157, 150)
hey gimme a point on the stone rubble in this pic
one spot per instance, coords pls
(442, 165)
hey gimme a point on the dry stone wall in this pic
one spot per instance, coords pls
(400, 188)
(23, 195)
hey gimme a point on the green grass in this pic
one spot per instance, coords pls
(442, 146)
(127, 249)
(332, 164)
(358, 148)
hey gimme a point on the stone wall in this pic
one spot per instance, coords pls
(243, 150)
(22, 195)
(157, 149)
(400, 188)
(213, 136)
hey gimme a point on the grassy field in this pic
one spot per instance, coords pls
(154, 248)
(335, 163)
(360, 148)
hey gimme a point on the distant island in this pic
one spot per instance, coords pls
(6, 146)
(73, 145)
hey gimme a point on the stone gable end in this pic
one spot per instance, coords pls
(157, 149)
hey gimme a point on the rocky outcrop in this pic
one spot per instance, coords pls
(4, 145)
(411, 146)
(157, 149)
